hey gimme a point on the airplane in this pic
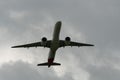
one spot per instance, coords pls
(53, 45)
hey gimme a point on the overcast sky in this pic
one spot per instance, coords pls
(91, 21)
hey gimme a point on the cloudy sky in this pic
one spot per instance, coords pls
(90, 21)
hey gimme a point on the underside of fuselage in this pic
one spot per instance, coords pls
(54, 46)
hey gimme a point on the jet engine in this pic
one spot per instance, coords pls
(67, 40)
(43, 41)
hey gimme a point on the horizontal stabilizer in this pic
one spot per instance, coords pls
(46, 64)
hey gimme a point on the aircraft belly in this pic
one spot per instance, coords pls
(51, 54)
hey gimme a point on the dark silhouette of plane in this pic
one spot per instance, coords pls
(53, 44)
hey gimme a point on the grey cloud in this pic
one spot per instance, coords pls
(104, 73)
(97, 22)
(24, 71)
(100, 17)
(17, 71)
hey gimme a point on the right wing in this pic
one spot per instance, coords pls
(63, 44)
(36, 44)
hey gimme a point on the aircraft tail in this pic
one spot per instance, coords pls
(47, 64)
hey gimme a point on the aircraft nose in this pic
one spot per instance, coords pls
(59, 22)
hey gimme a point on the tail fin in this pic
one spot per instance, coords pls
(47, 64)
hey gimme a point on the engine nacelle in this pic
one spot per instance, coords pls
(43, 41)
(67, 40)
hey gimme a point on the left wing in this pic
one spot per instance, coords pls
(63, 44)
(36, 44)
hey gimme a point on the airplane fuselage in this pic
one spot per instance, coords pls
(54, 43)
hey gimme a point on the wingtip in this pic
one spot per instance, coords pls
(13, 47)
(92, 45)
